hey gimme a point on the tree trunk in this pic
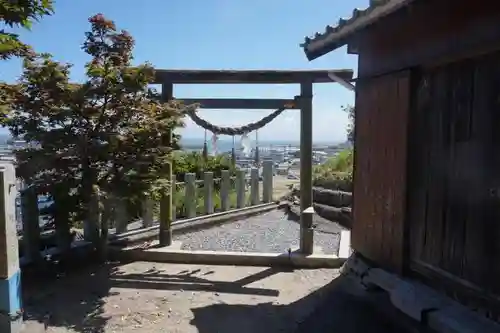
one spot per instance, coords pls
(91, 205)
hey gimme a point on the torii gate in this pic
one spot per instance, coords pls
(10, 288)
(306, 79)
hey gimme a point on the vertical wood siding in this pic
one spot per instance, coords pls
(454, 173)
(382, 106)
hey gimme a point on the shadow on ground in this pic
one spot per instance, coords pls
(188, 281)
(329, 309)
(75, 301)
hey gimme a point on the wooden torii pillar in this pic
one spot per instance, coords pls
(306, 157)
(166, 215)
(306, 79)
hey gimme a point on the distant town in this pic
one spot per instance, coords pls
(285, 157)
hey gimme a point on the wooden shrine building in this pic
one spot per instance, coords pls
(427, 140)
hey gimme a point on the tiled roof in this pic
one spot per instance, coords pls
(337, 36)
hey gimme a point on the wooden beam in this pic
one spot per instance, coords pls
(248, 76)
(240, 103)
(342, 82)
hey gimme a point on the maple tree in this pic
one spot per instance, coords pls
(17, 14)
(108, 134)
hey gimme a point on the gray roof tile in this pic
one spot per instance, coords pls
(336, 36)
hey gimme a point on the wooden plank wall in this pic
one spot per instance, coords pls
(382, 107)
(454, 174)
(453, 29)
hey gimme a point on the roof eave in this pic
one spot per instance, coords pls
(321, 49)
(326, 43)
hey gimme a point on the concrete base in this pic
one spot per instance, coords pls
(420, 302)
(169, 255)
(306, 240)
(307, 231)
(345, 249)
(176, 245)
(317, 250)
(10, 304)
(9, 325)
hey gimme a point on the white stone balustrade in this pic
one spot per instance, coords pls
(213, 195)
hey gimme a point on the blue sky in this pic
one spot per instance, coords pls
(214, 34)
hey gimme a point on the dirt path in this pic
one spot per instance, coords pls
(280, 186)
(147, 297)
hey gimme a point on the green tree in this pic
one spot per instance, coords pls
(19, 13)
(351, 110)
(194, 162)
(109, 133)
(14, 14)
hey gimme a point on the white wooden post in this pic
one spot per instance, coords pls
(254, 186)
(10, 273)
(240, 189)
(30, 216)
(148, 206)
(267, 181)
(190, 197)
(225, 184)
(208, 191)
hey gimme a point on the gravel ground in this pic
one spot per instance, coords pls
(270, 232)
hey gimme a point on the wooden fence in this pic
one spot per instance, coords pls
(190, 199)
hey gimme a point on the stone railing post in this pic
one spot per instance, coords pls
(174, 197)
(267, 181)
(106, 217)
(120, 215)
(30, 216)
(10, 275)
(240, 189)
(61, 221)
(254, 187)
(208, 192)
(225, 184)
(91, 223)
(166, 219)
(190, 197)
(148, 206)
